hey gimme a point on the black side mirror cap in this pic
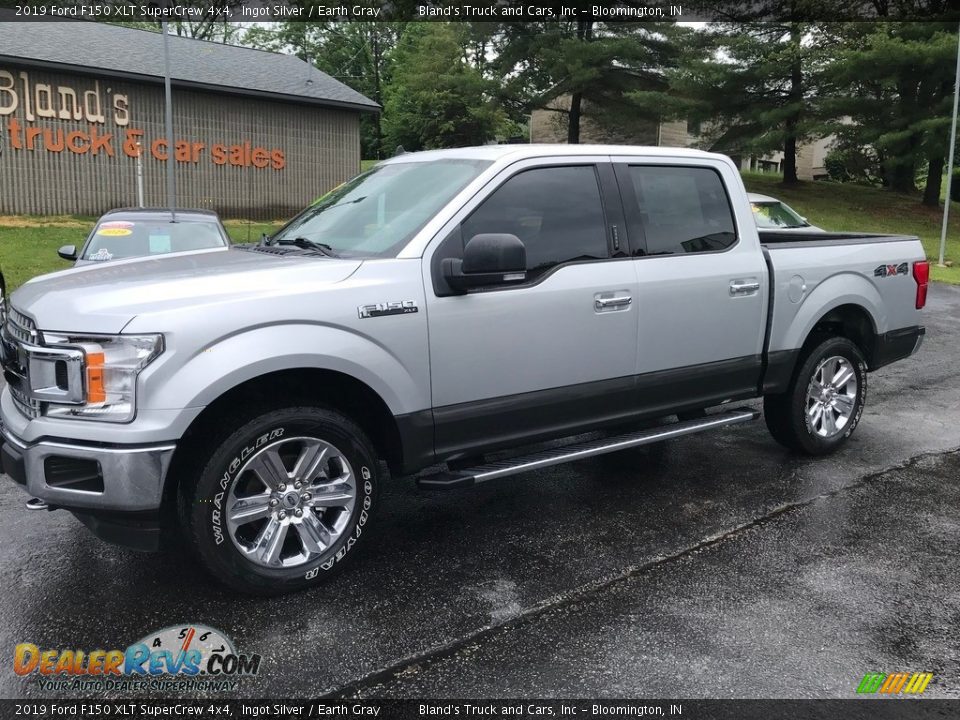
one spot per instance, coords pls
(68, 252)
(488, 259)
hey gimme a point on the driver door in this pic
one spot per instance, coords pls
(554, 354)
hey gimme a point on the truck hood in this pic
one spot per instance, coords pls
(104, 298)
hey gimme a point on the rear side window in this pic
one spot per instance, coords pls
(678, 209)
(555, 211)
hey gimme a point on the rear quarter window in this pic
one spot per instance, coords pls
(678, 210)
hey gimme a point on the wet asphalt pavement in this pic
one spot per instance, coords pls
(726, 568)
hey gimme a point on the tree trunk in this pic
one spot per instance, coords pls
(584, 34)
(790, 155)
(796, 102)
(902, 155)
(573, 119)
(931, 191)
(901, 177)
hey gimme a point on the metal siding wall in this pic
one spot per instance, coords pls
(321, 147)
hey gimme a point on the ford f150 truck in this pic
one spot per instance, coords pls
(453, 310)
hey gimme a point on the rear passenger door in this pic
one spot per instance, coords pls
(558, 351)
(702, 283)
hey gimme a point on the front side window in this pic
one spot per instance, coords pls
(556, 211)
(378, 212)
(679, 209)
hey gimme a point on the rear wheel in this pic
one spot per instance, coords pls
(282, 502)
(825, 400)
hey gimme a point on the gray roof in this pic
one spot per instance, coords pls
(98, 48)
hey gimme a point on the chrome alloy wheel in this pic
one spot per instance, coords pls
(290, 503)
(831, 396)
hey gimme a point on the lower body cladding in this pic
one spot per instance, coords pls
(114, 491)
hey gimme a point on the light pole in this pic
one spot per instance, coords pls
(171, 178)
(950, 153)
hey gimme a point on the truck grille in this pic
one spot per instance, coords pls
(20, 327)
(30, 408)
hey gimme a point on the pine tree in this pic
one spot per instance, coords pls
(607, 69)
(755, 85)
(892, 85)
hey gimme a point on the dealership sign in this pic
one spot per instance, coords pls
(107, 131)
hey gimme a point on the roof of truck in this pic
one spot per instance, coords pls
(534, 150)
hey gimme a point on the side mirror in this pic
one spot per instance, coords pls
(68, 252)
(488, 259)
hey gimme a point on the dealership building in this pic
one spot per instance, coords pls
(255, 134)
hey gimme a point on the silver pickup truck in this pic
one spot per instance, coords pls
(452, 310)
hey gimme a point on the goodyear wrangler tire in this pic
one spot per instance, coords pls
(283, 502)
(825, 400)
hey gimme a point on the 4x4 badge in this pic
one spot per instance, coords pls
(888, 270)
(400, 307)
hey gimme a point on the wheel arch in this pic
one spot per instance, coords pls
(851, 321)
(845, 304)
(289, 387)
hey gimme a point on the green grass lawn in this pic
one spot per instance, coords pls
(842, 206)
(28, 245)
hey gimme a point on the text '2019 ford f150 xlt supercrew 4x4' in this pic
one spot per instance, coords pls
(437, 309)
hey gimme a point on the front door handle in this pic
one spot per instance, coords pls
(744, 287)
(612, 302)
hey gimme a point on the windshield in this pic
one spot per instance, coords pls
(376, 213)
(135, 237)
(773, 215)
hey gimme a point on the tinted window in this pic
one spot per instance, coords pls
(680, 210)
(556, 212)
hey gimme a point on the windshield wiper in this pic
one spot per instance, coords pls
(305, 244)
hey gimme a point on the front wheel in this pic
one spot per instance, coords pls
(825, 400)
(283, 501)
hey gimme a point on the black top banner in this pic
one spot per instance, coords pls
(484, 10)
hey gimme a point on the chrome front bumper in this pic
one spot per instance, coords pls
(126, 478)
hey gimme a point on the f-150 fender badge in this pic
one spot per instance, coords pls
(889, 270)
(400, 307)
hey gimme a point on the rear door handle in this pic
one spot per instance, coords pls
(744, 287)
(612, 302)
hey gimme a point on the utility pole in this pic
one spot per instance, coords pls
(140, 175)
(950, 152)
(171, 177)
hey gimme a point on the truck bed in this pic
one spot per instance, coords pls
(796, 238)
(813, 273)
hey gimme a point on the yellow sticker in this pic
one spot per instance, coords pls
(114, 232)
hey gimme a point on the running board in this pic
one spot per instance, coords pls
(559, 455)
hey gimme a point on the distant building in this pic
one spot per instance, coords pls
(811, 157)
(256, 134)
(550, 126)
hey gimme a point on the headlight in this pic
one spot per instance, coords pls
(112, 364)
